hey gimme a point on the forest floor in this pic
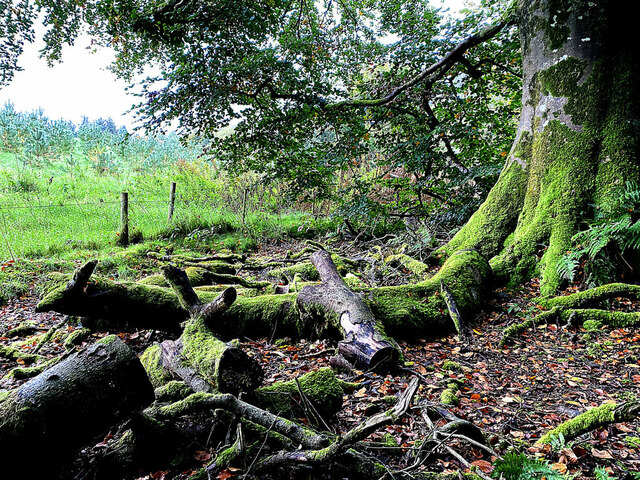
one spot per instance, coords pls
(515, 394)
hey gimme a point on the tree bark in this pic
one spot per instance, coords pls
(108, 304)
(64, 408)
(365, 343)
(407, 311)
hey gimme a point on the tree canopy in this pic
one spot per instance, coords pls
(311, 89)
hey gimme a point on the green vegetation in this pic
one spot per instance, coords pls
(614, 231)
(60, 190)
(517, 466)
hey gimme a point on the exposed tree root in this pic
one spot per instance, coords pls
(199, 402)
(571, 309)
(326, 455)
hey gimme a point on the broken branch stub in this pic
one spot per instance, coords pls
(189, 300)
(365, 343)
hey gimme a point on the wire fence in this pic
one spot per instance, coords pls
(28, 230)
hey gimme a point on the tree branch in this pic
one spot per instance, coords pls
(435, 71)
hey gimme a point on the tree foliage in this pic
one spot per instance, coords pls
(403, 107)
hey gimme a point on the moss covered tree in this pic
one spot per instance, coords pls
(577, 140)
(319, 85)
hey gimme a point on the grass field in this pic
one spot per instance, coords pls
(48, 210)
(53, 214)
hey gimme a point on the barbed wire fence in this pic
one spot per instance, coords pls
(35, 229)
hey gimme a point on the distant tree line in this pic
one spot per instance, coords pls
(37, 140)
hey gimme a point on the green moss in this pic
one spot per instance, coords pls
(151, 360)
(416, 267)
(496, 218)
(172, 391)
(585, 422)
(305, 269)
(13, 353)
(582, 142)
(592, 295)
(188, 404)
(561, 79)
(389, 440)
(449, 395)
(202, 350)
(450, 365)
(353, 282)
(120, 303)
(264, 315)
(76, 337)
(25, 328)
(595, 319)
(157, 280)
(321, 387)
(420, 309)
(517, 328)
(633, 442)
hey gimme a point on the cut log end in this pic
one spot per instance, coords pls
(383, 359)
(238, 372)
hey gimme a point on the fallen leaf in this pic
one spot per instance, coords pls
(361, 393)
(483, 465)
(559, 467)
(604, 454)
(227, 473)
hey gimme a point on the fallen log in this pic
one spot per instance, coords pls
(597, 417)
(200, 359)
(364, 343)
(202, 276)
(65, 407)
(106, 304)
(407, 311)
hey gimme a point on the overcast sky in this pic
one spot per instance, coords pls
(80, 86)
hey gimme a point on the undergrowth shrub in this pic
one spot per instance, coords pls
(517, 466)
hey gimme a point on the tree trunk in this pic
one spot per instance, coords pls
(116, 304)
(577, 141)
(67, 406)
(202, 361)
(365, 343)
(408, 311)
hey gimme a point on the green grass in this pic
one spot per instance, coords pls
(51, 209)
(53, 216)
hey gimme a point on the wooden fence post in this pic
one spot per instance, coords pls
(172, 201)
(124, 219)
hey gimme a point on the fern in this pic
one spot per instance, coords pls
(601, 473)
(615, 228)
(517, 466)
